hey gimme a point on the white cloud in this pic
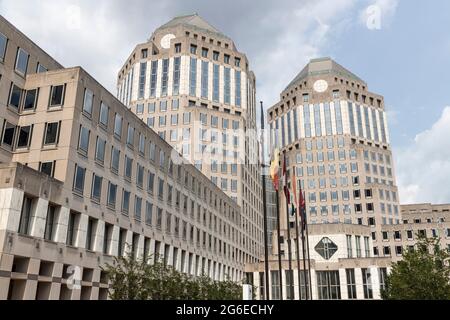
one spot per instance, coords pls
(423, 168)
(303, 32)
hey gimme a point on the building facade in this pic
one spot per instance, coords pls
(334, 134)
(84, 180)
(342, 266)
(192, 86)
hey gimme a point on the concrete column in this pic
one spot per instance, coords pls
(81, 230)
(359, 284)
(10, 208)
(56, 287)
(375, 282)
(140, 247)
(62, 224)
(30, 290)
(343, 284)
(114, 247)
(313, 285)
(99, 236)
(39, 218)
(128, 242)
(152, 251)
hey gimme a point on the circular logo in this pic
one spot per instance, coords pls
(165, 41)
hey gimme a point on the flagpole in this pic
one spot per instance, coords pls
(278, 242)
(309, 258)
(288, 227)
(297, 249)
(266, 242)
(303, 225)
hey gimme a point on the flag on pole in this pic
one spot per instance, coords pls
(274, 168)
(302, 208)
(286, 188)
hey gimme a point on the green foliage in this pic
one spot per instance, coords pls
(422, 274)
(136, 279)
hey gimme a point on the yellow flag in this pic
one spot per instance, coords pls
(274, 168)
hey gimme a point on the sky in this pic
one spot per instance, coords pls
(401, 48)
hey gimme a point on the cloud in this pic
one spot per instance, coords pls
(423, 168)
(278, 37)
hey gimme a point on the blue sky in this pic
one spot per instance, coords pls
(407, 60)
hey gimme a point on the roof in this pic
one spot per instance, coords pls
(323, 66)
(193, 21)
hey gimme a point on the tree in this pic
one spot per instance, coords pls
(137, 279)
(422, 274)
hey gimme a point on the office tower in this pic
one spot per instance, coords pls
(334, 132)
(83, 180)
(192, 86)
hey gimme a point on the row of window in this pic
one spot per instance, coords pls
(328, 284)
(22, 57)
(173, 225)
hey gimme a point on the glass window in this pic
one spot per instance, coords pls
(142, 76)
(226, 85)
(204, 79)
(118, 125)
(115, 158)
(104, 113)
(15, 96)
(51, 133)
(78, 181)
(193, 77)
(216, 82)
(328, 285)
(164, 77)
(100, 150)
(30, 100)
(88, 101)
(3, 44)
(57, 96)
(153, 79)
(83, 143)
(112, 193)
(125, 201)
(130, 135)
(128, 167)
(23, 141)
(96, 187)
(326, 248)
(176, 75)
(47, 168)
(22, 61)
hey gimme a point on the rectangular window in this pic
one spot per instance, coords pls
(125, 201)
(276, 294)
(115, 158)
(149, 213)
(8, 135)
(51, 133)
(24, 139)
(57, 96)
(88, 102)
(204, 79)
(237, 79)
(78, 180)
(142, 76)
(338, 114)
(226, 85)
(307, 121)
(112, 194)
(100, 150)
(26, 216)
(96, 187)
(328, 125)
(137, 208)
(15, 96)
(50, 222)
(30, 102)
(351, 283)
(193, 77)
(83, 140)
(47, 168)
(22, 61)
(72, 232)
(90, 233)
(153, 79)
(317, 120)
(367, 284)
(3, 44)
(176, 76)
(165, 77)
(130, 136)
(128, 167)
(328, 285)
(216, 82)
